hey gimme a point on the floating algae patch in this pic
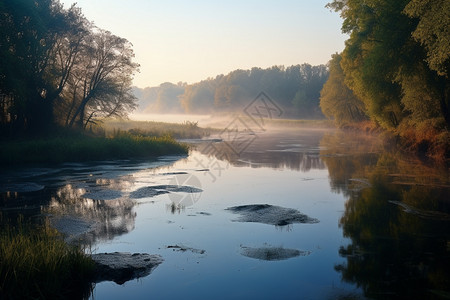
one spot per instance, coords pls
(102, 194)
(272, 253)
(151, 191)
(269, 214)
(148, 191)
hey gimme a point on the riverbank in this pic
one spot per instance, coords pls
(429, 144)
(77, 148)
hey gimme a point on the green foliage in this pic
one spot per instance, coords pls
(383, 64)
(337, 101)
(373, 55)
(35, 262)
(420, 97)
(433, 31)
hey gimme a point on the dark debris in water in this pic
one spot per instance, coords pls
(425, 214)
(269, 214)
(184, 249)
(175, 173)
(272, 253)
(203, 213)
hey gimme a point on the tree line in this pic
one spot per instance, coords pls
(58, 69)
(295, 88)
(394, 70)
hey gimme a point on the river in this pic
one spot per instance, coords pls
(376, 223)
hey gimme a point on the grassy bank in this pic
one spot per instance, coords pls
(35, 263)
(86, 148)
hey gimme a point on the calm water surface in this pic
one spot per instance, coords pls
(383, 229)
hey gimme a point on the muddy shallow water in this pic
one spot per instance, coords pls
(305, 214)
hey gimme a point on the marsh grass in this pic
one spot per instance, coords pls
(87, 148)
(185, 130)
(36, 263)
(298, 123)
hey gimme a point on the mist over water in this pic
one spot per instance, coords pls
(217, 120)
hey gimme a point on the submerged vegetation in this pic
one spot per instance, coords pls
(36, 263)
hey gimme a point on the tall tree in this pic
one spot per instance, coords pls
(379, 45)
(433, 32)
(29, 31)
(98, 79)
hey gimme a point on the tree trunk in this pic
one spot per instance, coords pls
(79, 113)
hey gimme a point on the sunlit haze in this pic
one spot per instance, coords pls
(190, 41)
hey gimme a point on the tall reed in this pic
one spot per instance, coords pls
(35, 262)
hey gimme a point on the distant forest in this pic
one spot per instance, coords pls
(296, 89)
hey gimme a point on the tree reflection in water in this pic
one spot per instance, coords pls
(396, 251)
(275, 148)
(109, 218)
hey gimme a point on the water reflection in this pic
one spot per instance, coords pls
(277, 149)
(90, 203)
(397, 217)
(175, 208)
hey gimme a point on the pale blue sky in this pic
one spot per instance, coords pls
(191, 40)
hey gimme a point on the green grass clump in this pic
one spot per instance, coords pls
(87, 148)
(36, 263)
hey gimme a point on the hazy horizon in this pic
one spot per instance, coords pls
(189, 42)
